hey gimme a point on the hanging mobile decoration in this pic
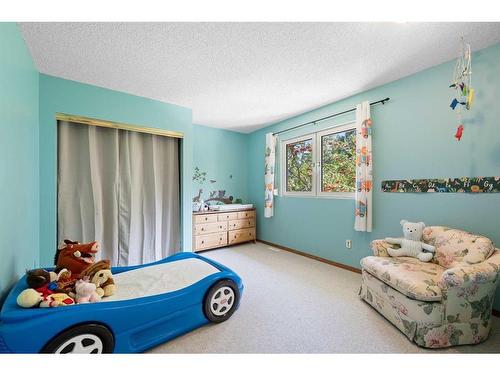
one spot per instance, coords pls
(462, 83)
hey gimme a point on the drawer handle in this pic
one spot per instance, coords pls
(220, 239)
(202, 228)
(250, 234)
(202, 241)
(206, 218)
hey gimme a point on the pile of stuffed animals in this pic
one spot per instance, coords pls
(77, 278)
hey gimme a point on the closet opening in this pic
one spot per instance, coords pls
(119, 185)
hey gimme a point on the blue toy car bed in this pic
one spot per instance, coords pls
(153, 303)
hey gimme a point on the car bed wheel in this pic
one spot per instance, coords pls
(84, 339)
(221, 301)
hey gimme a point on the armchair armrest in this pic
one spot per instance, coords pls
(379, 247)
(468, 291)
(475, 273)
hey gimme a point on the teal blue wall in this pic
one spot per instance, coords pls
(222, 155)
(413, 138)
(60, 95)
(19, 160)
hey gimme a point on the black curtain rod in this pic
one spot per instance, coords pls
(330, 116)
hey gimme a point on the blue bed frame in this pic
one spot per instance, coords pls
(136, 324)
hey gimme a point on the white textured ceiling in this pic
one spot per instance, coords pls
(242, 76)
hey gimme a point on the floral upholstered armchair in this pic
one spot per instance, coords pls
(445, 302)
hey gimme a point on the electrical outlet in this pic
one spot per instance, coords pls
(348, 244)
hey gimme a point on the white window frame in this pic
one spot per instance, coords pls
(283, 168)
(317, 170)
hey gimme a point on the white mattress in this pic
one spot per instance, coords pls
(159, 279)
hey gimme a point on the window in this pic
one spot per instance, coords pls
(300, 166)
(320, 164)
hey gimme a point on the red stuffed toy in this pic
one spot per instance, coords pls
(75, 257)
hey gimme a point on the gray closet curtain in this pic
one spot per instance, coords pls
(120, 188)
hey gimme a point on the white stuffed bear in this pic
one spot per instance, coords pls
(411, 244)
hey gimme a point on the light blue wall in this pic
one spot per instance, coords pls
(413, 138)
(19, 160)
(222, 155)
(60, 95)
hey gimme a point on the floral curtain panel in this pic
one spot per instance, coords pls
(269, 174)
(364, 178)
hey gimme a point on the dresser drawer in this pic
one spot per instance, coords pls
(246, 214)
(227, 216)
(241, 235)
(210, 228)
(210, 240)
(198, 219)
(242, 223)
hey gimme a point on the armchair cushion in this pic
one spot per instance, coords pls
(410, 276)
(397, 304)
(456, 247)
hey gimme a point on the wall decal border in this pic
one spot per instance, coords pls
(444, 185)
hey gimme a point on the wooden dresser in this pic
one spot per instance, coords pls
(212, 229)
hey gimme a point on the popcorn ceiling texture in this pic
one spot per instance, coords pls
(242, 76)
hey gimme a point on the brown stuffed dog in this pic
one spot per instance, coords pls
(75, 257)
(100, 274)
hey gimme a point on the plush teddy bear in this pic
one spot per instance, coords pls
(411, 244)
(86, 291)
(104, 282)
(100, 274)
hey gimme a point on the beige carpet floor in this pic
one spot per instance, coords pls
(293, 304)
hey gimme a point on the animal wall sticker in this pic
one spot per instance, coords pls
(444, 185)
(199, 177)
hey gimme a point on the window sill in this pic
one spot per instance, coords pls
(321, 196)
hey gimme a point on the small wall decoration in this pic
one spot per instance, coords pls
(464, 93)
(199, 177)
(444, 185)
